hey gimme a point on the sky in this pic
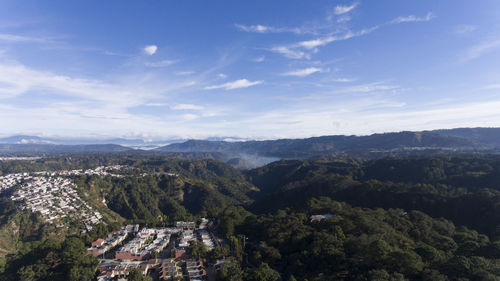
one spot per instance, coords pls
(255, 69)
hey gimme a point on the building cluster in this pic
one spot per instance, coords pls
(10, 180)
(137, 253)
(194, 270)
(99, 171)
(55, 196)
(19, 158)
(55, 199)
(169, 270)
(165, 269)
(103, 245)
(147, 241)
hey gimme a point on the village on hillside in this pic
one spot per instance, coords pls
(54, 195)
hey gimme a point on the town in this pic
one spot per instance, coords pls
(54, 195)
(159, 252)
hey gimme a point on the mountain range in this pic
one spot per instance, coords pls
(252, 153)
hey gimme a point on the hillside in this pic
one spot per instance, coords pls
(363, 244)
(438, 186)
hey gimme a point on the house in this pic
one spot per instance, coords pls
(186, 224)
(321, 217)
(97, 243)
(169, 270)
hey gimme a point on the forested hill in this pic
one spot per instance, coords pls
(463, 189)
(466, 139)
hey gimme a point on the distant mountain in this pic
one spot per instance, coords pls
(485, 136)
(466, 139)
(22, 139)
(54, 148)
(246, 154)
(135, 143)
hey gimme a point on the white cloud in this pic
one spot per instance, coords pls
(255, 28)
(464, 29)
(294, 52)
(258, 28)
(492, 87)
(303, 72)
(222, 75)
(413, 18)
(163, 63)
(150, 49)
(344, 18)
(156, 104)
(311, 44)
(289, 52)
(259, 59)
(339, 10)
(184, 106)
(190, 117)
(242, 83)
(20, 38)
(17, 79)
(184, 72)
(343, 80)
(367, 88)
(480, 49)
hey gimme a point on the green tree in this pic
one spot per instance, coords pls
(136, 275)
(230, 271)
(263, 273)
(197, 249)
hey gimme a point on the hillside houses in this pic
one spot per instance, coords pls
(55, 199)
(54, 196)
(101, 246)
(145, 242)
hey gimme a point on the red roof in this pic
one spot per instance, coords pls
(97, 242)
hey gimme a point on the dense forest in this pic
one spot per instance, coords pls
(411, 218)
(363, 244)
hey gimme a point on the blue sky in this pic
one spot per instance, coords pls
(249, 69)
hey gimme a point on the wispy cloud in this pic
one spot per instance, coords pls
(368, 88)
(464, 29)
(190, 116)
(184, 106)
(294, 51)
(242, 83)
(184, 73)
(222, 75)
(255, 28)
(479, 50)
(162, 63)
(491, 87)
(259, 59)
(413, 18)
(290, 52)
(20, 38)
(340, 10)
(343, 80)
(150, 49)
(17, 79)
(303, 72)
(259, 28)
